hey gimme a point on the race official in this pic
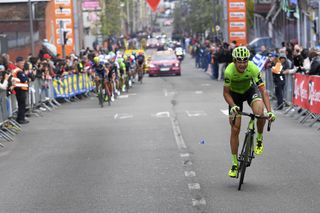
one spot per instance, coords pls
(21, 89)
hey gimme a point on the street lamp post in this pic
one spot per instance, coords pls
(31, 27)
(61, 35)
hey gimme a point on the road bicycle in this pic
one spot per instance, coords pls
(247, 151)
(140, 73)
(101, 91)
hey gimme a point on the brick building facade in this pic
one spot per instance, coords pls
(15, 24)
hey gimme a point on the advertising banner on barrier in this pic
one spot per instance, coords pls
(314, 94)
(71, 85)
(307, 92)
(301, 87)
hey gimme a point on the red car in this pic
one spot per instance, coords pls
(164, 63)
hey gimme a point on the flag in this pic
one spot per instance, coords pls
(259, 60)
(153, 4)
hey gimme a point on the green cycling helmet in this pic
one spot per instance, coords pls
(241, 53)
(120, 60)
(96, 60)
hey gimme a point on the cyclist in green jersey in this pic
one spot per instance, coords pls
(241, 80)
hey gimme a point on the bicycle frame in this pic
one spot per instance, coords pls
(247, 153)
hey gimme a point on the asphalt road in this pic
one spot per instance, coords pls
(163, 147)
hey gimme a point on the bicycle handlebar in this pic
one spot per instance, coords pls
(252, 116)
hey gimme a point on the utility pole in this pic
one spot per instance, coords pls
(318, 23)
(225, 21)
(62, 35)
(31, 27)
(76, 41)
(128, 17)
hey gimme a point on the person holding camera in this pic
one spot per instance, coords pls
(4, 78)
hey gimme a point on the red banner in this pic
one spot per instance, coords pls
(153, 4)
(307, 92)
(314, 94)
(300, 95)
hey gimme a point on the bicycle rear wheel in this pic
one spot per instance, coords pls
(100, 95)
(244, 158)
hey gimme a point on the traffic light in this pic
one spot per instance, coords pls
(65, 39)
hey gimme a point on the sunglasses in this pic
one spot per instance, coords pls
(242, 60)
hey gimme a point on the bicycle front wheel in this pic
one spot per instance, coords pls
(244, 158)
(100, 96)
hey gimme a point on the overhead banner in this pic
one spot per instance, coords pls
(91, 5)
(237, 27)
(153, 4)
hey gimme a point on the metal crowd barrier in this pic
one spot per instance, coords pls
(42, 96)
(300, 113)
(9, 127)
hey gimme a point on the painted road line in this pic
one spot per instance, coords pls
(165, 91)
(196, 113)
(162, 115)
(206, 85)
(184, 155)
(189, 174)
(122, 116)
(198, 202)
(225, 111)
(177, 134)
(124, 96)
(199, 92)
(193, 186)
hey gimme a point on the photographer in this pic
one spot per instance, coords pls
(4, 78)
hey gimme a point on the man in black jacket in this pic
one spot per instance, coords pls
(279, 80)
(315, 64)
(21, 89)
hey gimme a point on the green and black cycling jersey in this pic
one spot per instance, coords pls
(242, 85)
(241, 82)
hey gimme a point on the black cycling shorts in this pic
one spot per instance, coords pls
(250, 95)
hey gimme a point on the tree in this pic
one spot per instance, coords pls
(111, 17)
(197, 16)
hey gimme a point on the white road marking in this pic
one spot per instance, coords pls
(165, 92)
(133, 94)
(225, 111)
(189, 174)
(193, 186)
(185, 155)
(162, 115)
(177, 134)
(124, 96)
(199, 92)
(123, 116)
(115, 116)
(206, 85)
(196, 113)
(199, 202)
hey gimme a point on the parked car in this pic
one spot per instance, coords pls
(152, 43)
(164, 63)
(256, 43)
